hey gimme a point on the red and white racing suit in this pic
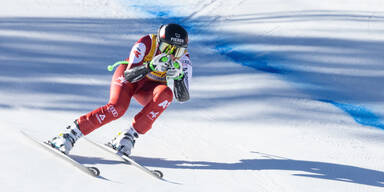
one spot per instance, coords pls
(151, 92)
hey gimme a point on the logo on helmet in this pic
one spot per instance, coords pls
(177, 40)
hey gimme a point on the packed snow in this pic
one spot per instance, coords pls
(285, 96)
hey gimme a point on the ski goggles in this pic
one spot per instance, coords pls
(170, 49)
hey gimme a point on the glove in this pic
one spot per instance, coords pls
(160, 63)
(175, 71)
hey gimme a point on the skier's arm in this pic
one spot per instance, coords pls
(137, 69)
(135, 74)
(139, 72)
(180, 90)
(181, 86)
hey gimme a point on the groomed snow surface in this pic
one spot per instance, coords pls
(286, 96)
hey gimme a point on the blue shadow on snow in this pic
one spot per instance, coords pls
(312, 169)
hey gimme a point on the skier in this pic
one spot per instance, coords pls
(153, 60)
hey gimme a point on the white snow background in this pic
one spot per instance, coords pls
(286, 95)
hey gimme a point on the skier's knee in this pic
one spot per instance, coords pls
(164, 93)
(116, 111)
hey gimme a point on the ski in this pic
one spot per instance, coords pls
(92, 171)
(155, 173)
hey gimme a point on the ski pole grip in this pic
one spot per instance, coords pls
(111, 67)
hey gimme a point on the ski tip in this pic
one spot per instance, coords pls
(158, 173)
(94, 170)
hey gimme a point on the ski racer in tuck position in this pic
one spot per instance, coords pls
(153, 60)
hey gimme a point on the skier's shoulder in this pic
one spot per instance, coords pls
(146, 43)
(147, 39)
(185, 59)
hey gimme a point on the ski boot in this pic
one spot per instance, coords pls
(124, 141)
(65, 141)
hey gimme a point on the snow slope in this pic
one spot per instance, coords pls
(285, 96)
